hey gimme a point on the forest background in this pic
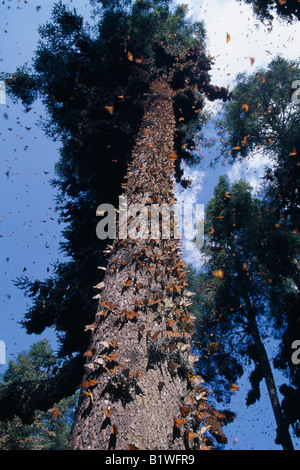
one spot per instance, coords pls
(29, 223)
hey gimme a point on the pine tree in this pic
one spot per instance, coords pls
(50, 429)
(238, 298)
(140, 367)
(263, 119)
(146, 71)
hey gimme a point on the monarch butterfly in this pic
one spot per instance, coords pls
(89, 383)
(154, 336)
(54, 413)
(109, 305)
(108, 412)
(189, 435)
(132, 447)
(110, 358)
(201, 414)
(234, 388)
(173, 366)
(178, 422)
(218, 273)
(90, 327)
(185, 410)
(109, 109)
(112, 371)
(130, 315)
(114, 429)
(89, 353)
(89, 394)
(192, 378)
(173, 334)
(219, 415)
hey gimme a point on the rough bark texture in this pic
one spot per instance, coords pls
(140, 390)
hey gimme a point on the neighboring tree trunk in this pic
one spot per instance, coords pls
(283, 436)
(140, 390)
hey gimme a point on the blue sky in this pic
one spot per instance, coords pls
(29, 229)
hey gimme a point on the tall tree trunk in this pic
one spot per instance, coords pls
(140, 390)
(283, 436)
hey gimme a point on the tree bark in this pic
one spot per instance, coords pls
(283, 437)
(139, 390)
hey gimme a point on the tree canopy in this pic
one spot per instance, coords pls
(287, 10)
(242, 292)
(263, 119)
(50, 429)
(252, 242)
